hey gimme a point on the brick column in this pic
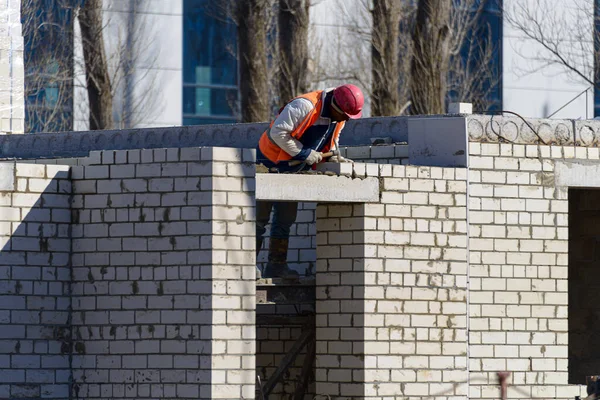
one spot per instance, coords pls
(12, 101)
(164, 271)
(35, 219)
(392, 289)
(340, 300)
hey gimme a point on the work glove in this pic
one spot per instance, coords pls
(314, 157)
(340, 159)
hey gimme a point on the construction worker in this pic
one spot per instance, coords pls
(305, 128)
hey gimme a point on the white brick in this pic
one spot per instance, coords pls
(221, 154)
(96, 172)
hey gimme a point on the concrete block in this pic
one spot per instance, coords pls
(159, 155)
(96, 172)
(460, 108)
(7, 177)
(108, 157)
(146, 156)
(221, 154)
(174, 169)
(382, 151)
(359, 152)
(573, 174)
(319, 188)
(30, 170)
(122, 171)
(438, 141)
(190, 154)
(336, 168)
(94, 158)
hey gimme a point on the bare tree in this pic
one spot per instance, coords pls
(118, 59)
(449, 55)
(344, 56)
(48, 59)
(564, 34)
(431, 56)
(131, 58)
(293, 24)
(96, 66)
(252, 23)
(363, 39)
(385, 98)
(472, 73)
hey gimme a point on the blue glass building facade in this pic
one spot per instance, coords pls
(491, 22)
(210, 68)
(48, 63)
(210, 80)
(486, 36)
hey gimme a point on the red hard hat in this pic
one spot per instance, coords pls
(349, 99)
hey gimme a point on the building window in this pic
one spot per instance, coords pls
(210, 73)
(48, 64)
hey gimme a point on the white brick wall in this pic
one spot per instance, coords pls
(392, 289)
(34, 284)
(518, 271)
(164, 272)
(157, 253)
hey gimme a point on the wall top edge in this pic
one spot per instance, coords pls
(80, 144)
(480, 128)
(539, 131)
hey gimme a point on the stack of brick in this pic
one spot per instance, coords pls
(12, 100)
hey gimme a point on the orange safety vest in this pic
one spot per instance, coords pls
(275, 154)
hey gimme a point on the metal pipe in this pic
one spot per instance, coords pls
(503, 380)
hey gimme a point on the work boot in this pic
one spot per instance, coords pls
(277, 264)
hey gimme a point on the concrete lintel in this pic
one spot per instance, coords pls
(577, 174)
(317, 188)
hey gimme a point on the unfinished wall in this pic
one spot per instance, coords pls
(275, 341)
(519, 269)
(392, 288)
(164, 274)
(34, 281)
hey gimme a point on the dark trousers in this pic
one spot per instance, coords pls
(284, 216)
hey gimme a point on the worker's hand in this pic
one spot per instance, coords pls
(340, 159)
(314, 157)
